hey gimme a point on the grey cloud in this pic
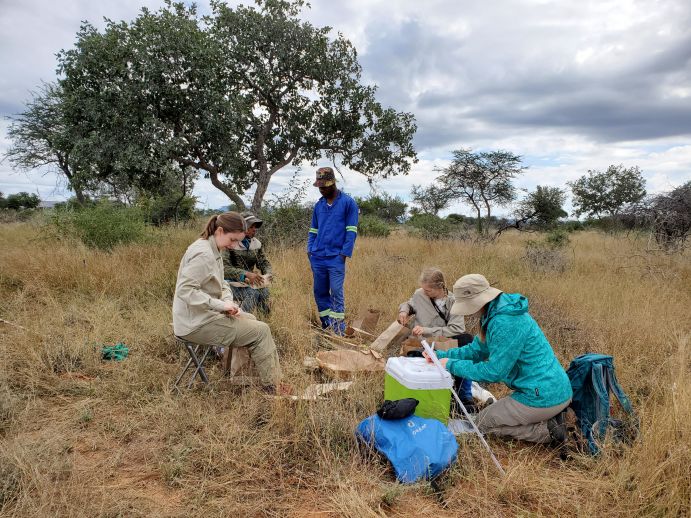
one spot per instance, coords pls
(480, 94)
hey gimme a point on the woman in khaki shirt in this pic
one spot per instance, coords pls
(203, 308)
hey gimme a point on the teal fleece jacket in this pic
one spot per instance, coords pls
(516, 353)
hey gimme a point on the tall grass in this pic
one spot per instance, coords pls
(80, 437)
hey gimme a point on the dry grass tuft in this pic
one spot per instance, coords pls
(80, 437)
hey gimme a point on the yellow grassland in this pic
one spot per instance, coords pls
(82, 437)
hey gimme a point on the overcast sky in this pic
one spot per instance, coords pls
(568, 85)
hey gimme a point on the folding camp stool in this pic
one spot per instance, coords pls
(194, 350)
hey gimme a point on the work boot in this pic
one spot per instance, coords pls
(557, 430)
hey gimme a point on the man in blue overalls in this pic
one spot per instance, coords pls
(330, 241)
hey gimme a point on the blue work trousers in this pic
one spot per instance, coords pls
(463, 385)
(329, 275)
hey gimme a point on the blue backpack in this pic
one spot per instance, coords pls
(592, 379)
(416, 447)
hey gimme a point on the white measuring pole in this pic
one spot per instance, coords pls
(430, 352)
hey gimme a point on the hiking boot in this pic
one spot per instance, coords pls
(557, 429)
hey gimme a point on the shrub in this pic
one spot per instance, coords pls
(572, 226)
(20, 201)
(557, 238)
(159, 210)
(547, 255)
(372, 226)
(430, 227)
(103, 225)
(386, 207)
(285, 225)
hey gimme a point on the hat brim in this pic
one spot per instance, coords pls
(255, 221)
(465, 307)
(324, 183)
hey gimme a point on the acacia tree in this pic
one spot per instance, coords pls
(482, 180)
(41, 137)
(607, 193)
(238, 95)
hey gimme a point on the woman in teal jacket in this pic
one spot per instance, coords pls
(512, 349)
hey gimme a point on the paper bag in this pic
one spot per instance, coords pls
(391, 337)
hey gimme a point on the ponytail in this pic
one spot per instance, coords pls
(228, 221)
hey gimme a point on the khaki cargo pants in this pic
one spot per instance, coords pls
(243, 332)
(509, 418)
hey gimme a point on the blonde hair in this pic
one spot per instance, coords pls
(228, 221)
(433, 277)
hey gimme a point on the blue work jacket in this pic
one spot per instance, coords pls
(334, 228)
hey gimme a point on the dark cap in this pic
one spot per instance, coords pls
(325, 177)
(251, 219)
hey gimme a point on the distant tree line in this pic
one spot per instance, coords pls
(485, 181)
(19, 201)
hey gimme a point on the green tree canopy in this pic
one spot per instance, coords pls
(542, 207)
(237, 95)
(19, 201)
(429, 200)
(389, 208)
(482, 180)
(606, 193)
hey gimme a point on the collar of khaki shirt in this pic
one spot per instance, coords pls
(214, 246)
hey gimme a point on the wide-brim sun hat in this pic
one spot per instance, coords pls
(471, 292)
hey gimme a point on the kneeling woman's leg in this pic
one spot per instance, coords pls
(507, 417)
(463, 386)
(243, 332)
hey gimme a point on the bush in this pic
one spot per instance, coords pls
(557, 238)
(372, 226)
(572, 226)
(159, 210)
(430, 227)
(285, 225)
(385, 207)
(457, 219)
(103, 225)
(547, 255)
(19, 201)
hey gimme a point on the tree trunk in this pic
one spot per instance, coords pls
(262, 186)
(264, 178)
(81, 199)
(227, 190)
(479, 219)
(78, 192)
(489, 215)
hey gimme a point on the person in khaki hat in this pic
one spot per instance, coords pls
(250, 289)
(512, 349)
